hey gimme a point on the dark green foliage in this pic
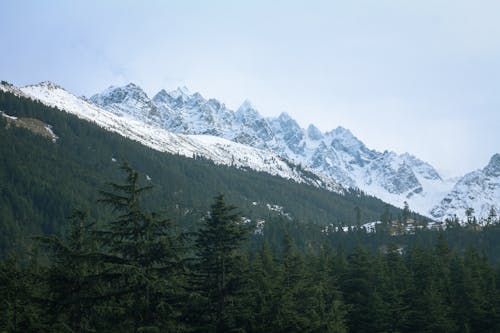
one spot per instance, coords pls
(21, 292)
(72, 282)
(126, 277)
(217, 275)
(141, 261)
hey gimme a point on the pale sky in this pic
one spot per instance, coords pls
(411, 76)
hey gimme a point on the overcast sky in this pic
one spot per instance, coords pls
(410, 76)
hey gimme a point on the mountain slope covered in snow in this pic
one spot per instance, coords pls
(218, 149)
(338, 154)
(186, 123)
(479, 190)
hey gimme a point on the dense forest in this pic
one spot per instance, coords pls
(139, 272)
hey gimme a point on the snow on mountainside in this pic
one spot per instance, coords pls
(479, 190)
(220, 150)
(128, 101)
(337, 154)
(186, 123)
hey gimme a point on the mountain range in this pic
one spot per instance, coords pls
(186, 123)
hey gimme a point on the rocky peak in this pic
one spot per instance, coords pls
(117, 95)
(314, 133)
(128, 100)
(181, 92)
(420, 167)
(50, 85)
(343, 140)
(286, 123)
(338, 153)
(245, 107)
(493, 167)
(479, 190)
(162, 97)
(247, 114)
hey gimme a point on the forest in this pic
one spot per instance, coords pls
(139, 272)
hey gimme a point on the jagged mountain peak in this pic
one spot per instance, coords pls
(9, 87)
(220, 150)
(286, 123)
(421, 167)
(338, 153)
(128, 100)
(247, 111)
(47, 84)
(284, 116)
(342, 132)
(132, 85)
(245, 106)
(479, 190)
(162, 96)
(314, 133)
(118, 94)
(493, 167)
(182, 92)
(343, 139)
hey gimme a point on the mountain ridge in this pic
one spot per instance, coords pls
(337, 153)
(219, 150)
(336, 157)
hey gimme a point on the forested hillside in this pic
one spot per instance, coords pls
(138, 273)
(42, 181)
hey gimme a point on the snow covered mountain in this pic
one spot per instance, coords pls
(220, 150)
(338, 154)
(186, 123)
(479, 190)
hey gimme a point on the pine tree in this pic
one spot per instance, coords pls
(215, 276)
(430, 310)
(394, 284)
(72, 284)
(21, 304)
(263, 278)
(290, 316)
(361, 297)
(141, 259)
(492, 216)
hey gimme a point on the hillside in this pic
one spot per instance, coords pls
(42, 180)
(337, 154)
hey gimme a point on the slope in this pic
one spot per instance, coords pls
(43, 180)
(338, 154)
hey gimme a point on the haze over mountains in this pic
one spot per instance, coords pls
(244, 138)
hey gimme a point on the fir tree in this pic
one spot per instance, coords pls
(215, 276)
(142, 260)
(72, 280)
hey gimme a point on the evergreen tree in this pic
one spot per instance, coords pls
(363, 301)
(141, 259)
(406, 212)
(21, 291)
(289, 314)
(492, 215)
(263, 290)
(72, 280)
(215, 276)
(429, 310)
(394, 284)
